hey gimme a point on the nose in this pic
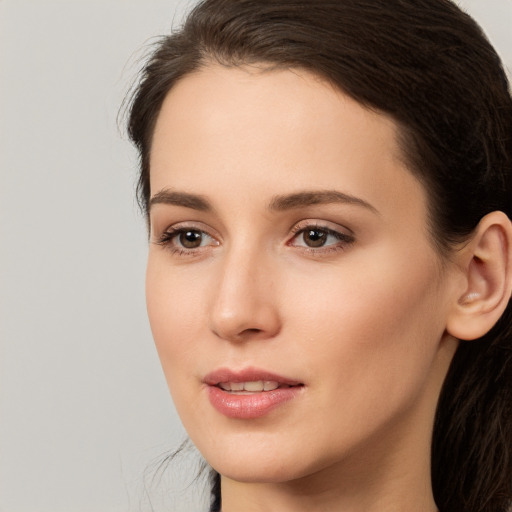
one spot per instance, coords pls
(244, 305)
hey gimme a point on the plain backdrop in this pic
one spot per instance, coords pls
(84, 408)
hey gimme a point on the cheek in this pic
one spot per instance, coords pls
(373, 331)
(176, 316)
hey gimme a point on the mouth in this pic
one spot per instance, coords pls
(256, 386)
(249, 393)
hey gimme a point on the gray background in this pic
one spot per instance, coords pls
(84, 409)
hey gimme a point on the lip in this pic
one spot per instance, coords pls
(246, 375)
(250, 405)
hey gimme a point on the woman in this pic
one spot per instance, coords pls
(327, 186)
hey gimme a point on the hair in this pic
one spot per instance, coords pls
(427, 65)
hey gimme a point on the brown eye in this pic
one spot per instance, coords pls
(314, 237)
(186, 240)
(190, 239)
(321, 239)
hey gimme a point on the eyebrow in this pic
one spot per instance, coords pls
(193, 201)
(310, 198)
(278, 203)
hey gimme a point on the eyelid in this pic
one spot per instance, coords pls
(321, 224)
(186, 225)
(344, 235)
(166, 238)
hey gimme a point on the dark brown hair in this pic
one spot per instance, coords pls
(427, 65)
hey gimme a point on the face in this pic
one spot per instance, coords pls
(296, 301)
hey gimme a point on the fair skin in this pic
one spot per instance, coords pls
(288, 235)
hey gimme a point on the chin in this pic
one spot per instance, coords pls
(262, 462)
(250, 465)
(257, 471)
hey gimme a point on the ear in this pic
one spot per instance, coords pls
(486, 263)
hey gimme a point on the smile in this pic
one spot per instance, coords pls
(251, 386)
(250, 393)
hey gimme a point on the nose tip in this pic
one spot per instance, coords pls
(244, 307)
(245, 322)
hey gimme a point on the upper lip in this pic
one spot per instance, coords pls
(246, 375)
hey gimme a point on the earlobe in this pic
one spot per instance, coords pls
(486, 261)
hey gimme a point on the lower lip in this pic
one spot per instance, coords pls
(250, 406)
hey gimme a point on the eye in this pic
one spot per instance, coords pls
(191, 239)
(317, 237)
(186, 240)
(314, 237)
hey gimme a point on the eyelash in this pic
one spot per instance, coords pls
(344, 240)
(168, 238)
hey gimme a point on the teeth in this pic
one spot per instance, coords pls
(252, 386)
(270, 385)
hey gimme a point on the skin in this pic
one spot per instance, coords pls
(360, 321)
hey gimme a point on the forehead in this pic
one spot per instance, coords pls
(294, 101)
(223, 130)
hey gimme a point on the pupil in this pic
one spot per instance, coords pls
(314, 237)
(190, 239)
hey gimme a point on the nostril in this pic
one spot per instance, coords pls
(247, 334)
(250, 331)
